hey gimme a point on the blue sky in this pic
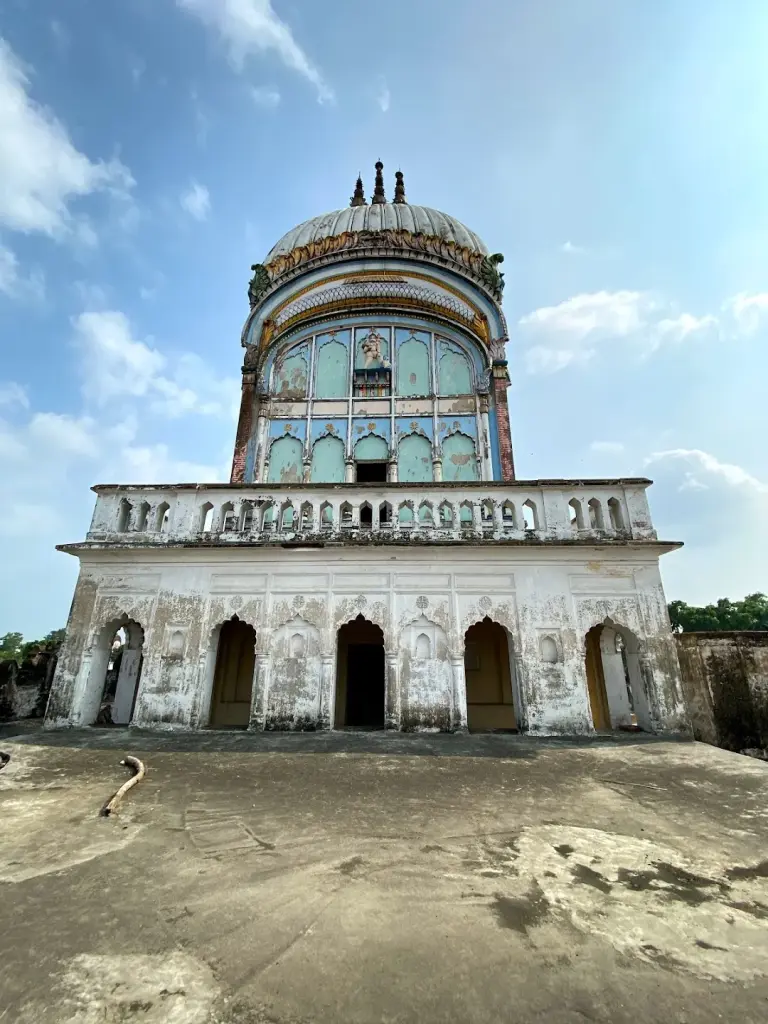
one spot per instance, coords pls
(151, 150)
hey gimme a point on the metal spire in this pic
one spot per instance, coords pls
(358, 199)
(378, 192)
(399, 188)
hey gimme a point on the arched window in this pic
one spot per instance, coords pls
(286, 464)
(423, 646)
(614, 512)
(414, 459)
(291, 374)
(332, 370)
(124, 515)
(530, 515)
(327, 461)
(596, 514)
(298, 645)
(162, 517)
(548, 650)
(206, 518)
(576, 514)
(413, 376)
(454, 371)
(459, 459)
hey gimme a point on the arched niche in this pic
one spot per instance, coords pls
(414, 459)
(454, 371)
(332, 370)
(413, 373)
(371, 448)
(286, 461)
(291, 373)
(327, 460)
(459, 458)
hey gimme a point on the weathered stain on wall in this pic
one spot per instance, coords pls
(725, 684)
(459, 458)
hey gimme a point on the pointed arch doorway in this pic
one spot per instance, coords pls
(490, 700)
(233, 676)
(360, 688)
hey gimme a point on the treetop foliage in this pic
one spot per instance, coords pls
(750, 614)
(14, 648)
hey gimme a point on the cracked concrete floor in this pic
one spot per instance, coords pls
(361, 879)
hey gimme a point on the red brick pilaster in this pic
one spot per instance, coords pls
(500, 385)
(244, 428)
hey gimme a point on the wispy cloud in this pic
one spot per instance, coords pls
(41, 171)
(265, 96)
(250, 27)
(196, 200)
(17, 285)
(12, 393)
(383, 97)
(573, 332)
(703, 463)
(748, 312)
(573, 250)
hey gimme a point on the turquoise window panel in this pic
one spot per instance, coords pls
(405, 515)
(332, 370)
(371, 449)
(291, 374)
(286, 461)
(328, 461)
(454, 371)
(413, 371)
(459, 458)
(414, 459)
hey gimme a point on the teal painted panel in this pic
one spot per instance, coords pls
(454, 372)
(414, 459)
(413, 376)
(371, 449)
(285, 461)
(332, 374)
(405, 515)
(291, 375)
(328, 461)
(459, 462)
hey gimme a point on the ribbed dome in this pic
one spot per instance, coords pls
(379, 217)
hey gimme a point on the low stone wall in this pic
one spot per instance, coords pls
(24, 689)
(725, 686)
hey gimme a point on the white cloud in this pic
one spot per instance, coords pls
(12, 393)
(115, 364)
(607, 447)
(14, 284)
(265, 96)
(383, 98)
(573, 331)
(41, 172)
(196, 201)
(748, 312)
(686, 326)
(250, 27)
(703, 462)
(573, 250)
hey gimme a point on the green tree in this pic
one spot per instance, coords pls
(750, 614)
(10, 646)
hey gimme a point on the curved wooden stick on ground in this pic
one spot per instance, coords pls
(139, 770)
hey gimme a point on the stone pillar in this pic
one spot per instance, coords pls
(485, 440)
(437, 469)
(244, 427)
(500, 381)
(392, 696)
(127, 681)
(393, 471)
(349, 473)
(325, 701)
(259, 692)
(459, 693)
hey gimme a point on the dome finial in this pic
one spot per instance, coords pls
(358, 199)
(378, 192)
(399, 188)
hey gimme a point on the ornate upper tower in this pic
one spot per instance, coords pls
(375, 351)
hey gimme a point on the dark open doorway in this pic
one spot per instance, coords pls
(233, 678)
(360, 691)
(371, 472)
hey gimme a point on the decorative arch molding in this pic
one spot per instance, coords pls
(111, 624)
(284, 633)
(214, 629)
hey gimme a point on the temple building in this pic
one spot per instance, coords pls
(374, 562)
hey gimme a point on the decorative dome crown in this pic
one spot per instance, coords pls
(379, 217)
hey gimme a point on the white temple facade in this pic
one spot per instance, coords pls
(374, 562)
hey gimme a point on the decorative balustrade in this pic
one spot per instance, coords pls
(536, 511)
